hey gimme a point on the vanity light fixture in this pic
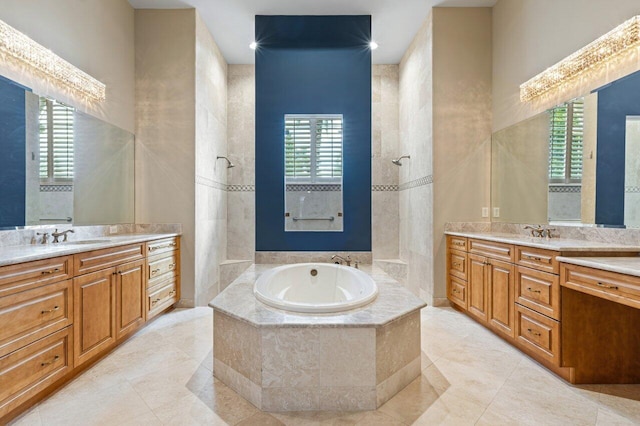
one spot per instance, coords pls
(19, 47)
(253, 45)
(373, 45)
(615, 42)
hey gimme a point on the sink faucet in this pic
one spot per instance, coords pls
(45, 236)
(342, 259)
(57, 234)
(537, 231)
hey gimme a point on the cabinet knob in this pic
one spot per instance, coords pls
(55, 358)
(532, 290)
(535, 333)
(55, 308)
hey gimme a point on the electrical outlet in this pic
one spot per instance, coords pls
(113, 229)
(496, 212)
(485, 212)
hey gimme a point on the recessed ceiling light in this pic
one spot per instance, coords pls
(373, 45)
(253, 45)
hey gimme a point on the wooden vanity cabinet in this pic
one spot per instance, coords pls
(59, 314)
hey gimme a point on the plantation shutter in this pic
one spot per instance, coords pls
(566, 134)
(56, 140)
(313, 147)
(328, 147)
(297, 147)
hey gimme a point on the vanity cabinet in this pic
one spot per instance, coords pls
(58, 315)
(163, 270)
(512, 290)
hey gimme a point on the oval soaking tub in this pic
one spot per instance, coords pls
(315, 288)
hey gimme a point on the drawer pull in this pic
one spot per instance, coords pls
(456, 264)
(535, 333)
(537, 259)
(55, 308)
(533, 291)
(610, 287)
(172, 293)
(455, 291)
(172, 265)
(155, 271)
(486, 262)
(55, 358)
(51, 271)
(162, 246)
(459, 244)
(155, 301)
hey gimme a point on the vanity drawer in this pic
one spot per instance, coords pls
(620, 288)
(539, 291)
(541, 259)
(28, 371)
(96, 260)
(457, 264)
(161, 297)
(458, 292)
(163, 267)
(538, 335)
(25, 276)
(163, 246)
(492, 249)
(457, 243)
(33, 314)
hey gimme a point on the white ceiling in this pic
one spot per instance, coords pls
(231, 22)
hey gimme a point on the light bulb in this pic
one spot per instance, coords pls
(373, 45)
(253, 45)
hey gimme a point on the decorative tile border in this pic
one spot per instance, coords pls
(425, 180)
(632, 189)
(56, 188)
(318, 187)
(565, 188)
(384, 188)
(241, 188)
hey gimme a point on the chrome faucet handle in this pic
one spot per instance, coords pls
(45, 237)
(356, 263)
(535, 232)
(548, 231)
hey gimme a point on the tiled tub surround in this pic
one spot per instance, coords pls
(283, 361)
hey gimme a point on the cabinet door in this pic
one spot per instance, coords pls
(94, 297)
(501, 297)
(130, 296)
(477, 290)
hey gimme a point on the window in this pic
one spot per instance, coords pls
(566, 133)
(313, 148)
(56, 141)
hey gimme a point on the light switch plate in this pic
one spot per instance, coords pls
(496, 212)
(485, 212)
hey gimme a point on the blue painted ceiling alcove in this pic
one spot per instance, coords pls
(615, 102)
(313, 65)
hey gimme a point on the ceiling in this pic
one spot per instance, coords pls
(231, 22)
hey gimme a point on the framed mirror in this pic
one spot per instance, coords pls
(313, 172)
(60, 166)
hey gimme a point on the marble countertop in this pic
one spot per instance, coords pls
(622, 265)
(394, 301)
(558, 244)
(17, 254)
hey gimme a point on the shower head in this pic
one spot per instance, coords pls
(398, 161)
(229, 163)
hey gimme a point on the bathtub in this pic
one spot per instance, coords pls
(315, 288)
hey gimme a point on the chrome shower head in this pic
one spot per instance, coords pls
(229, 163)
(398, 161)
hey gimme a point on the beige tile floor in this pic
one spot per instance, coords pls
(163, 376)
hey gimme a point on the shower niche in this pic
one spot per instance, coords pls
(313, 163)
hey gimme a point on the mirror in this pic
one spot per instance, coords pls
(61, 167)
(632, 173)
(573, 164)
(313, 172)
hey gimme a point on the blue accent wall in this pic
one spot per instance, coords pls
(12, 154)
(615, 102)
(313, 65)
